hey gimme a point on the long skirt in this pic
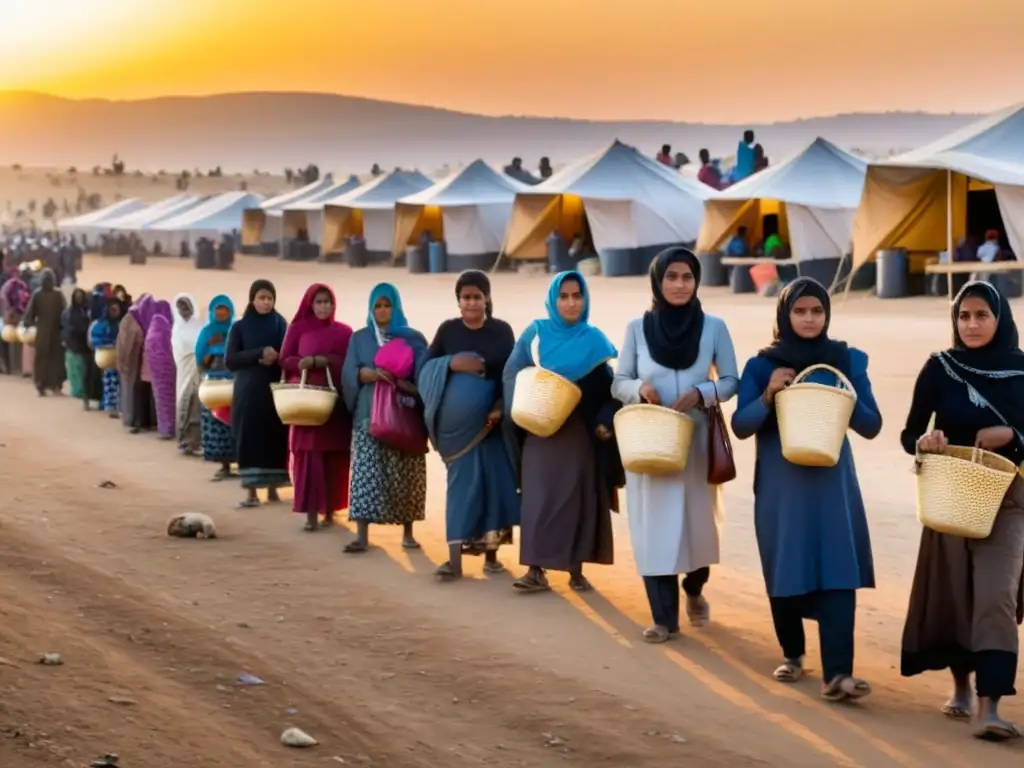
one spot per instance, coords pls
(321, 481)
(74, 364)
(188, 427)
(218, 445)
(566, 508)
(111, 402)
(14, 359)
(967, 602)
(138, 411)
(260, 477)
(388, 487)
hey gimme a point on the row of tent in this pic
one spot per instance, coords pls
(828, 202)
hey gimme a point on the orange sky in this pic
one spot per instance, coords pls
(709, 60)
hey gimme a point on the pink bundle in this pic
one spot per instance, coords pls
(397, 358)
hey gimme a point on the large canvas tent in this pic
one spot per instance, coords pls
(141, 222)
(308, 214)
(95, 221)
(369, 211)
(216, 216)
(262, 223)
(469, 210)
(918, 200)
(814, 196)
(630, 201)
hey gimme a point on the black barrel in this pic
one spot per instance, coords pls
(893, 266)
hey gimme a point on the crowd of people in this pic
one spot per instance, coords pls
(397, 390)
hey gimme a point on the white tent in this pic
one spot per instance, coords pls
(95, 221)
(369, 211)
(262, 223)
(141, 222)
(814, 193)
(918, 200)
(308, 213)
(630, 201)
(469, 210)
(220, 214)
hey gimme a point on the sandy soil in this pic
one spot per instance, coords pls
(372, 657)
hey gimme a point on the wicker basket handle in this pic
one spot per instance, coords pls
(843, 381)
(330, 379)
(535, 349)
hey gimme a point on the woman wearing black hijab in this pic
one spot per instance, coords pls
(812, 531)
(261, 440)
(967, 599)
(666, 359)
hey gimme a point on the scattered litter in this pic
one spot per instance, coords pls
(296, 737)
(246, 679)
(291, 711)
(551, 740)
(51, 659)
(124, 701)
(675, 738)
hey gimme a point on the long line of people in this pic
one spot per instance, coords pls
(812, 530)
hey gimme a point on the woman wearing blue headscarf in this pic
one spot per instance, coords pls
(569, 481)
(389, 486)
(211, 348)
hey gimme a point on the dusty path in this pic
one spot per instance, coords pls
(368, 654)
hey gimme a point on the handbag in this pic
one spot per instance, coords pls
(721, 467)
(396, 419)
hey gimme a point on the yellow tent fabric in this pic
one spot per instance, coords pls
(906, 208)
(292, 222)
(535, 217)
(253, 222)
(411, 221)
(723, 217)
(340, 223)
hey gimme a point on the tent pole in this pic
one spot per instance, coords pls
(949, 214)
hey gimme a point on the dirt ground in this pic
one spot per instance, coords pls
(368, 654)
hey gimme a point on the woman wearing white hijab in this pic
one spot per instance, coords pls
(185, 334)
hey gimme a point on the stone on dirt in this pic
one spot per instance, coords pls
(296, 737)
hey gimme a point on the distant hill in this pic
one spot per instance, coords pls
(269, 131)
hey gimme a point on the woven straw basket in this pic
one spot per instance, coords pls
(960, 490)
(106, 358)
(653, 440)
(9, 334)
(27, 335)
(543, 400)
(813, 418)
(302, 405)
(216, 393)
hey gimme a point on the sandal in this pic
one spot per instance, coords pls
(445, 572)
(247, 504)
(355, 547)
(657, 634)
(956, 710)
(410, 543)
(996, 730)
(790, 671)
(309, 526)
(845, 687)
(580, 584)
(698, 611)
(493, 566)
(529, 584)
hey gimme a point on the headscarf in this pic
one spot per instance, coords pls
(98, 301)
(570, 350)
(994, 374)
(162, 309)
(673, 333)
(256, 287)
(214, 327)
(47, 280)
(127, 301)
(788, 350)
(185, 333)
(305, 314)
(262, 330)
(143, 311)
(476, 279)
(399, 326)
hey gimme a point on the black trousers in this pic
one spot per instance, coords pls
(663, 595)
(835, 611)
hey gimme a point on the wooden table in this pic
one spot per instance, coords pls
(967, 267)
(744, 261)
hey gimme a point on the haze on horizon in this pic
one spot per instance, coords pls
(692, 60)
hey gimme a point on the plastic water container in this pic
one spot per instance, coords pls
(618, 262)
(891, 279)
(416, 260)
(437, 257)
(557, 253)
(712, 272)
(740, 280)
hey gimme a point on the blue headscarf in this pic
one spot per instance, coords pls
(398, 326)
(570, 350)
(213, 327)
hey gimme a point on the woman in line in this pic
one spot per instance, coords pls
(569, 481)
(106, 314)
(158, 357)
(389, 487)
(218, 445)
(121, 294)
(317, 344)
(812, 531)
(136, 394)
(667, 359)
(261, 440)
(44, 313)
(463, 410)
(14, 298)
(83, 375)
(967, 598)
(184, 335)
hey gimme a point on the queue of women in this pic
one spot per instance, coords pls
(396, 391)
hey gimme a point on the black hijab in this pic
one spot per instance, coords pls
(673, 333)
(262, 330)
(788, 350)
(993, 374)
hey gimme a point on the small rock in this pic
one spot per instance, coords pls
(650, 733)
(51, 659)
(243, 625)
(107, 484)
(223, 688)
(291, 711)
(296, 737)
(339, 759)
(109, 760)
(7, 662)
(551, 740)
(675, 738)
(122, 700)
(246, 679)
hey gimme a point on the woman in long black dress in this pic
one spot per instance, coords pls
(261, 440)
